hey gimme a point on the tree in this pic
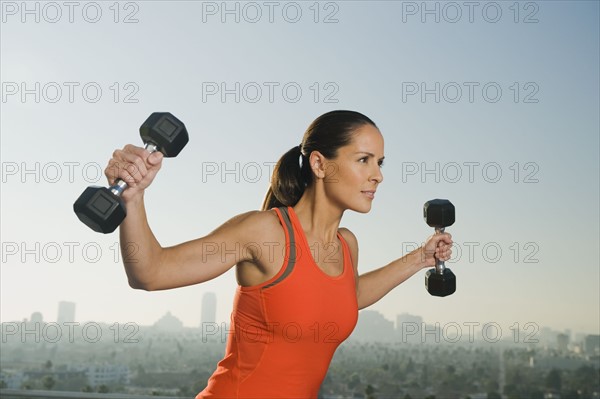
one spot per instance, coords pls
(184, 391)
(102, 389)
(354, 381)
(536, 394)
(553, 380)
(410, 365)
(48, 382)
(370, 390)
(586, 379)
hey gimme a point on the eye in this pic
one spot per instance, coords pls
(364, 159)
(380, 163)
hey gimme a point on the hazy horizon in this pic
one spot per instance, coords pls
(468, 327)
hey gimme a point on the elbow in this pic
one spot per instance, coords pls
(140, 285)
(136, 285)
(144, 279)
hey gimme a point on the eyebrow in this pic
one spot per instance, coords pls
(369, 153)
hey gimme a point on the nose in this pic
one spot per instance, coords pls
(377, 175)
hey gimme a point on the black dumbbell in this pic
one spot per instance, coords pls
(102, 209)
(439, 214)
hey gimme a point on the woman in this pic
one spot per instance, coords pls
(299, 289)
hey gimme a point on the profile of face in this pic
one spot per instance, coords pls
(351, 179)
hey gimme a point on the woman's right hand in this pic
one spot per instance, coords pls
(136, 166)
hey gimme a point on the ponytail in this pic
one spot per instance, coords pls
(289, 180)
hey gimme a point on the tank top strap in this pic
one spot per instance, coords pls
(284, 218)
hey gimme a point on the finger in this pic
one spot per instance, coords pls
(443, 241)
(134, 149)
(114, 170)
(155, 158)
(135, 164)
(109, 172)
(443, 250)
(128, 172)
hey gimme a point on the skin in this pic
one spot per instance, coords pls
(339, 184)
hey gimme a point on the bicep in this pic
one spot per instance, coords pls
(205, 258)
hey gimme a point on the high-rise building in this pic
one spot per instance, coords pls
(592, 344)
(36, 317)
(66, 312)
(209, 308)
(562, 341)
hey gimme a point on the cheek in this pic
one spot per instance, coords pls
(350, 178)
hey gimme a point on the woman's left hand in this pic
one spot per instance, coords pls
(437, 246)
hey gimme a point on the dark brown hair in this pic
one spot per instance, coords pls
(326, 134)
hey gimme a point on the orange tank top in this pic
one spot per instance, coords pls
(284, 332)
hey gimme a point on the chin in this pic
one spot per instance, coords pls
(362, 208)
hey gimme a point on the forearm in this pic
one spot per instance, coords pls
(374, 285)
(139, 247)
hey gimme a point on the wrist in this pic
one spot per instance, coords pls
(133, 198)
(419, 258)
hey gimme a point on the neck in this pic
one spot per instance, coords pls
(319, 217)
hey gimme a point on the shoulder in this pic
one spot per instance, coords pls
(254, 224)
(352, 242)
(254, 219)
(348, 236)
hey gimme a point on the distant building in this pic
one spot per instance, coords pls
(107, 374)
(36, 317)
(66, 312)
(372, 326)
(408, 328)
(591, 344)
(547, 337)
(168, 323)
(12, 378)
(209, 308)
(562, 342)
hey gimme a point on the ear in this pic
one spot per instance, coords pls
(317, 164)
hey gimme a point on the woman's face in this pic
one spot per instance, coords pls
(353, 176)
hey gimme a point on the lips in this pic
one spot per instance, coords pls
(369, 193)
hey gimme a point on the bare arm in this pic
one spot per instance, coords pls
(191, 262)
(374, 285)
(148, 265)
(140, 249)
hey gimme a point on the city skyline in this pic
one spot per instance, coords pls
(369, 319)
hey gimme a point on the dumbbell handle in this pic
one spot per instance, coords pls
(120, 185)
(439, 264)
